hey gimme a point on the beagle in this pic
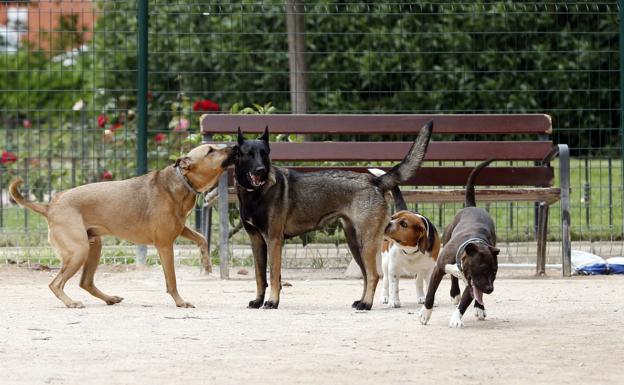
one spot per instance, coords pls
(411, 246)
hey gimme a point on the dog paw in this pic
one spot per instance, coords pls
(384, 300)
(113, 300)
(270, 304)
(394, 303)
(455, 300)
(255, 304)
(420, 299)
(75, 305)
(424, 315)
(355, 304)
(185, 305)
(456, 321)
(363, 306)
(480, 313)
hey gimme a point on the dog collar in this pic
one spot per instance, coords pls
(412, 253)
(462, 248)
(186, 182)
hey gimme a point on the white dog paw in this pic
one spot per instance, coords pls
(456, 321)
(480, 313)
(394, 303)
(420, 299)
(424, 315)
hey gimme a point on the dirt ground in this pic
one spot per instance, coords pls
(538, 331)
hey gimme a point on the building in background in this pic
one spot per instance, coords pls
(54, 26)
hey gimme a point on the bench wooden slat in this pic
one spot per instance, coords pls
(457, 176)
(395, 151)
(549, 195)
(377, 124)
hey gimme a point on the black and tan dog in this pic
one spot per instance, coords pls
(470, 253)
(279, 203)
(150, 209)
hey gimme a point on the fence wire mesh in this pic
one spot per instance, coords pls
(68, 101)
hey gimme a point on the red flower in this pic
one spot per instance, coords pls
(160, 137)
(26, 123)
(102, 120)
(205, 105)
(106, 175)
(8, 158)
(116, 126)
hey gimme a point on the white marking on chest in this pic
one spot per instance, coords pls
(409, 259)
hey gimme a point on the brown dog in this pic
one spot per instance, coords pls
(150, 209)
(469, 253)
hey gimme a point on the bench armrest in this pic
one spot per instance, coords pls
(563, 152)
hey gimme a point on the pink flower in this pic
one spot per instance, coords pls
(102, 120)
(182, 125)
(106, 175)
(8, 158)
(26, 123)
(160, 137)
(205, 105)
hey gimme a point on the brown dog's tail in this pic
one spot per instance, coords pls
(403, 171)
(470, 190)
(19, 198)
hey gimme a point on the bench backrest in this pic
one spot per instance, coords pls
(536, 127)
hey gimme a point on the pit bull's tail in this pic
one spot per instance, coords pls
(19, 198)
(470, 190)
(403, 171)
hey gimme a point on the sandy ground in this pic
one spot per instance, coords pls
(538, 331)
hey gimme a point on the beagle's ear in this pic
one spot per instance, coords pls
(184, 162)
(265, 136)
(423, 242)
(241, 138)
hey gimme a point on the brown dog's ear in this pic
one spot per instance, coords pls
(470, 248)
(241, 138)
(184, 162)
(265, 136)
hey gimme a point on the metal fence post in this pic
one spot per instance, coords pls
(621, 37)
(142, 74)
(223, 226)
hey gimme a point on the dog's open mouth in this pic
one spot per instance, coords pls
(256, 180)
(477, 295)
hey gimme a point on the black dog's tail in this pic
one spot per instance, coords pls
(408, 166)
(399, 202)
(470, 190)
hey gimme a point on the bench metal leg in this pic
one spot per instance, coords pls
(542, 232)
(564, 182)
(223, 226)
(207, 227)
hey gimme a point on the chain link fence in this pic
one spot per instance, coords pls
(68, 107)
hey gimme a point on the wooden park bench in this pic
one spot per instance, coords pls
(529, 183)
